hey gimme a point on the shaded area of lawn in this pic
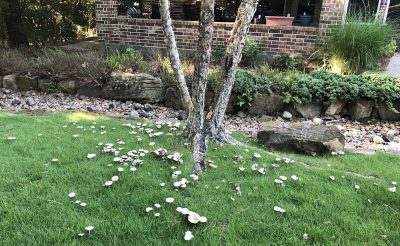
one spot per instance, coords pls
(35, 208)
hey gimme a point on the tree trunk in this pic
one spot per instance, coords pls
(174, 54)
(233, 55)
(195, 128)
(15, 26)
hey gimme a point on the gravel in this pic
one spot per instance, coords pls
(362, 137)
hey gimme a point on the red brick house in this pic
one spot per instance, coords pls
(118, 29)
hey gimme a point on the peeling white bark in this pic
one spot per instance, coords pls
(174, 54)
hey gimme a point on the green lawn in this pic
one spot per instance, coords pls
(35, 208)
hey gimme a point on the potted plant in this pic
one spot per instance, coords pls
(279, 20)
(305, 19)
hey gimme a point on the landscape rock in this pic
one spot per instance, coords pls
(360, 109)
(172, 98)
(137, 106)
(47, 85)
(378, 140)
(308, 110)
(386, 114)
(301, 138)
(68, 86)
(26, 83)
(137, 87)
(241, 114)
(336, 107)
(91, 109)
(182, 115)
(134, 115)
(30, 101)
(90, 90)
(266, 104)
(10, 82)
(390, 135)
(287, 115)
(16, 101)
(148, 107)
(112, 105)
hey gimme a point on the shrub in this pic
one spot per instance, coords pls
(54, 64)
(131, 60)
(358, 43)
(250, 53)
(287, 63)
(390, 49)
(249, 85)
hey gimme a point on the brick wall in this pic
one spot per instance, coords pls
(122, 30)
(331, 15)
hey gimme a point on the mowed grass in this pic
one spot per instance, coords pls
(35, 208)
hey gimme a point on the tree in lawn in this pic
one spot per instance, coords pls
(202, 126)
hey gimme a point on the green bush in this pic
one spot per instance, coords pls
(287, 63)
(323, 86)
(131, 60)
(250, 53)
(390, 49)
(358, 43)
(249, 85)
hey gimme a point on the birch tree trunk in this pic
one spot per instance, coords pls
(233, 56)
(173, 54)
(195, 126)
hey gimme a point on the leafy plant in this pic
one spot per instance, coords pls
(251, 51)
(358, 43)
(131, 59)
(217, 54)
(390, 49)
(287, 63)
(249, 85)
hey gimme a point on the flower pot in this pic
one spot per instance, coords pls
(279, 20)
(306, 20)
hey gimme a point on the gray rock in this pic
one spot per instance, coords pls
(378, 140)
(360, 109)
(91, 109)
(112, 105)
(136, 106)
(317, 121)
(26, 83)
(308, 110)
(30, 101)
(148, 107)
(145, 114)
(266, 104)
(386, 114)
(182, 115)
(301, 138)
(6, 91)
(90, 90)
(82, 97)
(287, 115)
(73, 108)
(2, 104)
(69, 86)
(10, 82)
(241, 114)
(134, 114)
(390, 135)
(172, 98)
(138, 87)
(125, 107)
(16, 101)
(251, 131)
(335, 107)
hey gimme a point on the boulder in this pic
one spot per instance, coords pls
(140, 87)
(287, 115)
(336, 107)
(90, 90)
(266, 104)
(30, 101)
(68, 86)
(304, 138)
(360, 109)
(308, 110)
(172, 98)
(47, 85)
(26, 83)
(386, 114)
(10, 82)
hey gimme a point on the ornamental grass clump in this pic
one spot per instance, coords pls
(358, 44)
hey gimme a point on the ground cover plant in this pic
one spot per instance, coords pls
(48, 163)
